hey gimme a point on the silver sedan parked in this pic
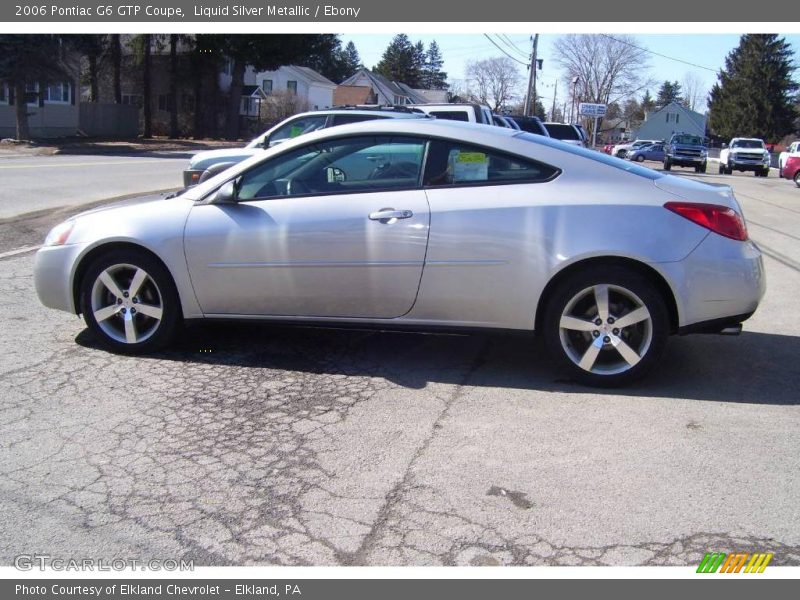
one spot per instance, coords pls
(421, 224)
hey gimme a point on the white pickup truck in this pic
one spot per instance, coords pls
(792, 150)
(745, 154)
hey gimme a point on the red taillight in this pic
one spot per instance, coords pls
(719, 219)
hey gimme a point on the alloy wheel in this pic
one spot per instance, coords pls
(605, 329)
(126, 303)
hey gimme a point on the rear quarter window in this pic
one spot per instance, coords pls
(611, 161)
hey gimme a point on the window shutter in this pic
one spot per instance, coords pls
(42, 90)
(72, 89)
(11, 94)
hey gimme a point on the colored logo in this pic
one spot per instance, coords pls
(745, 562)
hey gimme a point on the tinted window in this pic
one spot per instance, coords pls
(454, 163)
(618, 163)
(531, 125)
(561, 131)
(348, 165)
(346, 119)
(298, 127)
(450, 115)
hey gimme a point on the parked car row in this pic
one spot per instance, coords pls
(419, 223)
(204, 165)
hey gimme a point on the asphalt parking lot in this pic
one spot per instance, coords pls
(269, 445)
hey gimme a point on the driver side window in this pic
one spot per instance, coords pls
(341, 166)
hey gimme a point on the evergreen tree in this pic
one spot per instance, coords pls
(755, 94)
(400, 62)
(433, 78)
(351, 59)
(670, 91)
(647, 104)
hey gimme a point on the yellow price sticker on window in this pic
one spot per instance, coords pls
(471, 157)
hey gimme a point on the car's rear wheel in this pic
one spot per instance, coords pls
(667, 165)
(606, 326)
(797, 179)
(640, 158)
(129, 302)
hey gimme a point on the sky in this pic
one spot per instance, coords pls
(706, 52)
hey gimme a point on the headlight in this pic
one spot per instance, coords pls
(766, 158)
(59, 234)
(704, 153)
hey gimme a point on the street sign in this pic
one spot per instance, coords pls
(591, 110)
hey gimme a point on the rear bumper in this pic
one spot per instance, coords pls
(721, 282)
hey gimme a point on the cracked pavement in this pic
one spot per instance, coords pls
(251, 444)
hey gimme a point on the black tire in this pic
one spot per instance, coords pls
(728, 170)
(157, 291)
(765, 172)
(640, 158)
(797, 179)
(703, 168)
(621, 279)
(697, 169)
(721, 169)
(667, 165)
(780, 172)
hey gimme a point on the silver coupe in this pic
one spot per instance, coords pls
(421, 224)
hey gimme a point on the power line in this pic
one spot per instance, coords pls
(686, 62)
(504, 38)
(504, 52)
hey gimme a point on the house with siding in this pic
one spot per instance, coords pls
(384, 91)
(52, 106)
(672, 118)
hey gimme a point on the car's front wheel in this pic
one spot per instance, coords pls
(797, 179)
(129, 302)
(606, 326)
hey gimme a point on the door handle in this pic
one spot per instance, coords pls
(386, 214)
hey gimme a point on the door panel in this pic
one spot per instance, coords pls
(309, 256)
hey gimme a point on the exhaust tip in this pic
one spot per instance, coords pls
(732, 330)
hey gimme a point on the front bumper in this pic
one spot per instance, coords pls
(687, 161)
(747, 164)
(53, 273)
(721, 280)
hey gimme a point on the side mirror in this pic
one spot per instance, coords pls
(265, 142)
(227, 194)
(724, 145)
(274, 142)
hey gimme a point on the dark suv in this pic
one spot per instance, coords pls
(686, 150)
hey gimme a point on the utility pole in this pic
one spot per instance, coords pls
(553, 110)
(534, 66)
(530, 96)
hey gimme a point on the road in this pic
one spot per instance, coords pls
(45, 182)
(270, 445)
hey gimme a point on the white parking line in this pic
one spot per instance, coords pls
(19, 251)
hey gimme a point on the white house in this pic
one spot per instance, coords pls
(304, 82)
(311, 88)
(672, 118)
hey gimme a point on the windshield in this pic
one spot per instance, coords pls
(617, 163)
(689, 140)
(747, 144)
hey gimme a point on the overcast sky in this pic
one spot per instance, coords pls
(708, 50)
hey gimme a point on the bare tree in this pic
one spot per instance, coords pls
(608, 69)
(494, 81)
(695, 92)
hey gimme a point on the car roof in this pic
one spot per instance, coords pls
(392, 114)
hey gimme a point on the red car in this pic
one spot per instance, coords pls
(607, 148)
(791, 170)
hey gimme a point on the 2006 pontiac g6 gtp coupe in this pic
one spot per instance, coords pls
(421, 225)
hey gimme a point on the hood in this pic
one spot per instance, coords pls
(203, 160)
(135, 200)
(749, 150)
(696, 191)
